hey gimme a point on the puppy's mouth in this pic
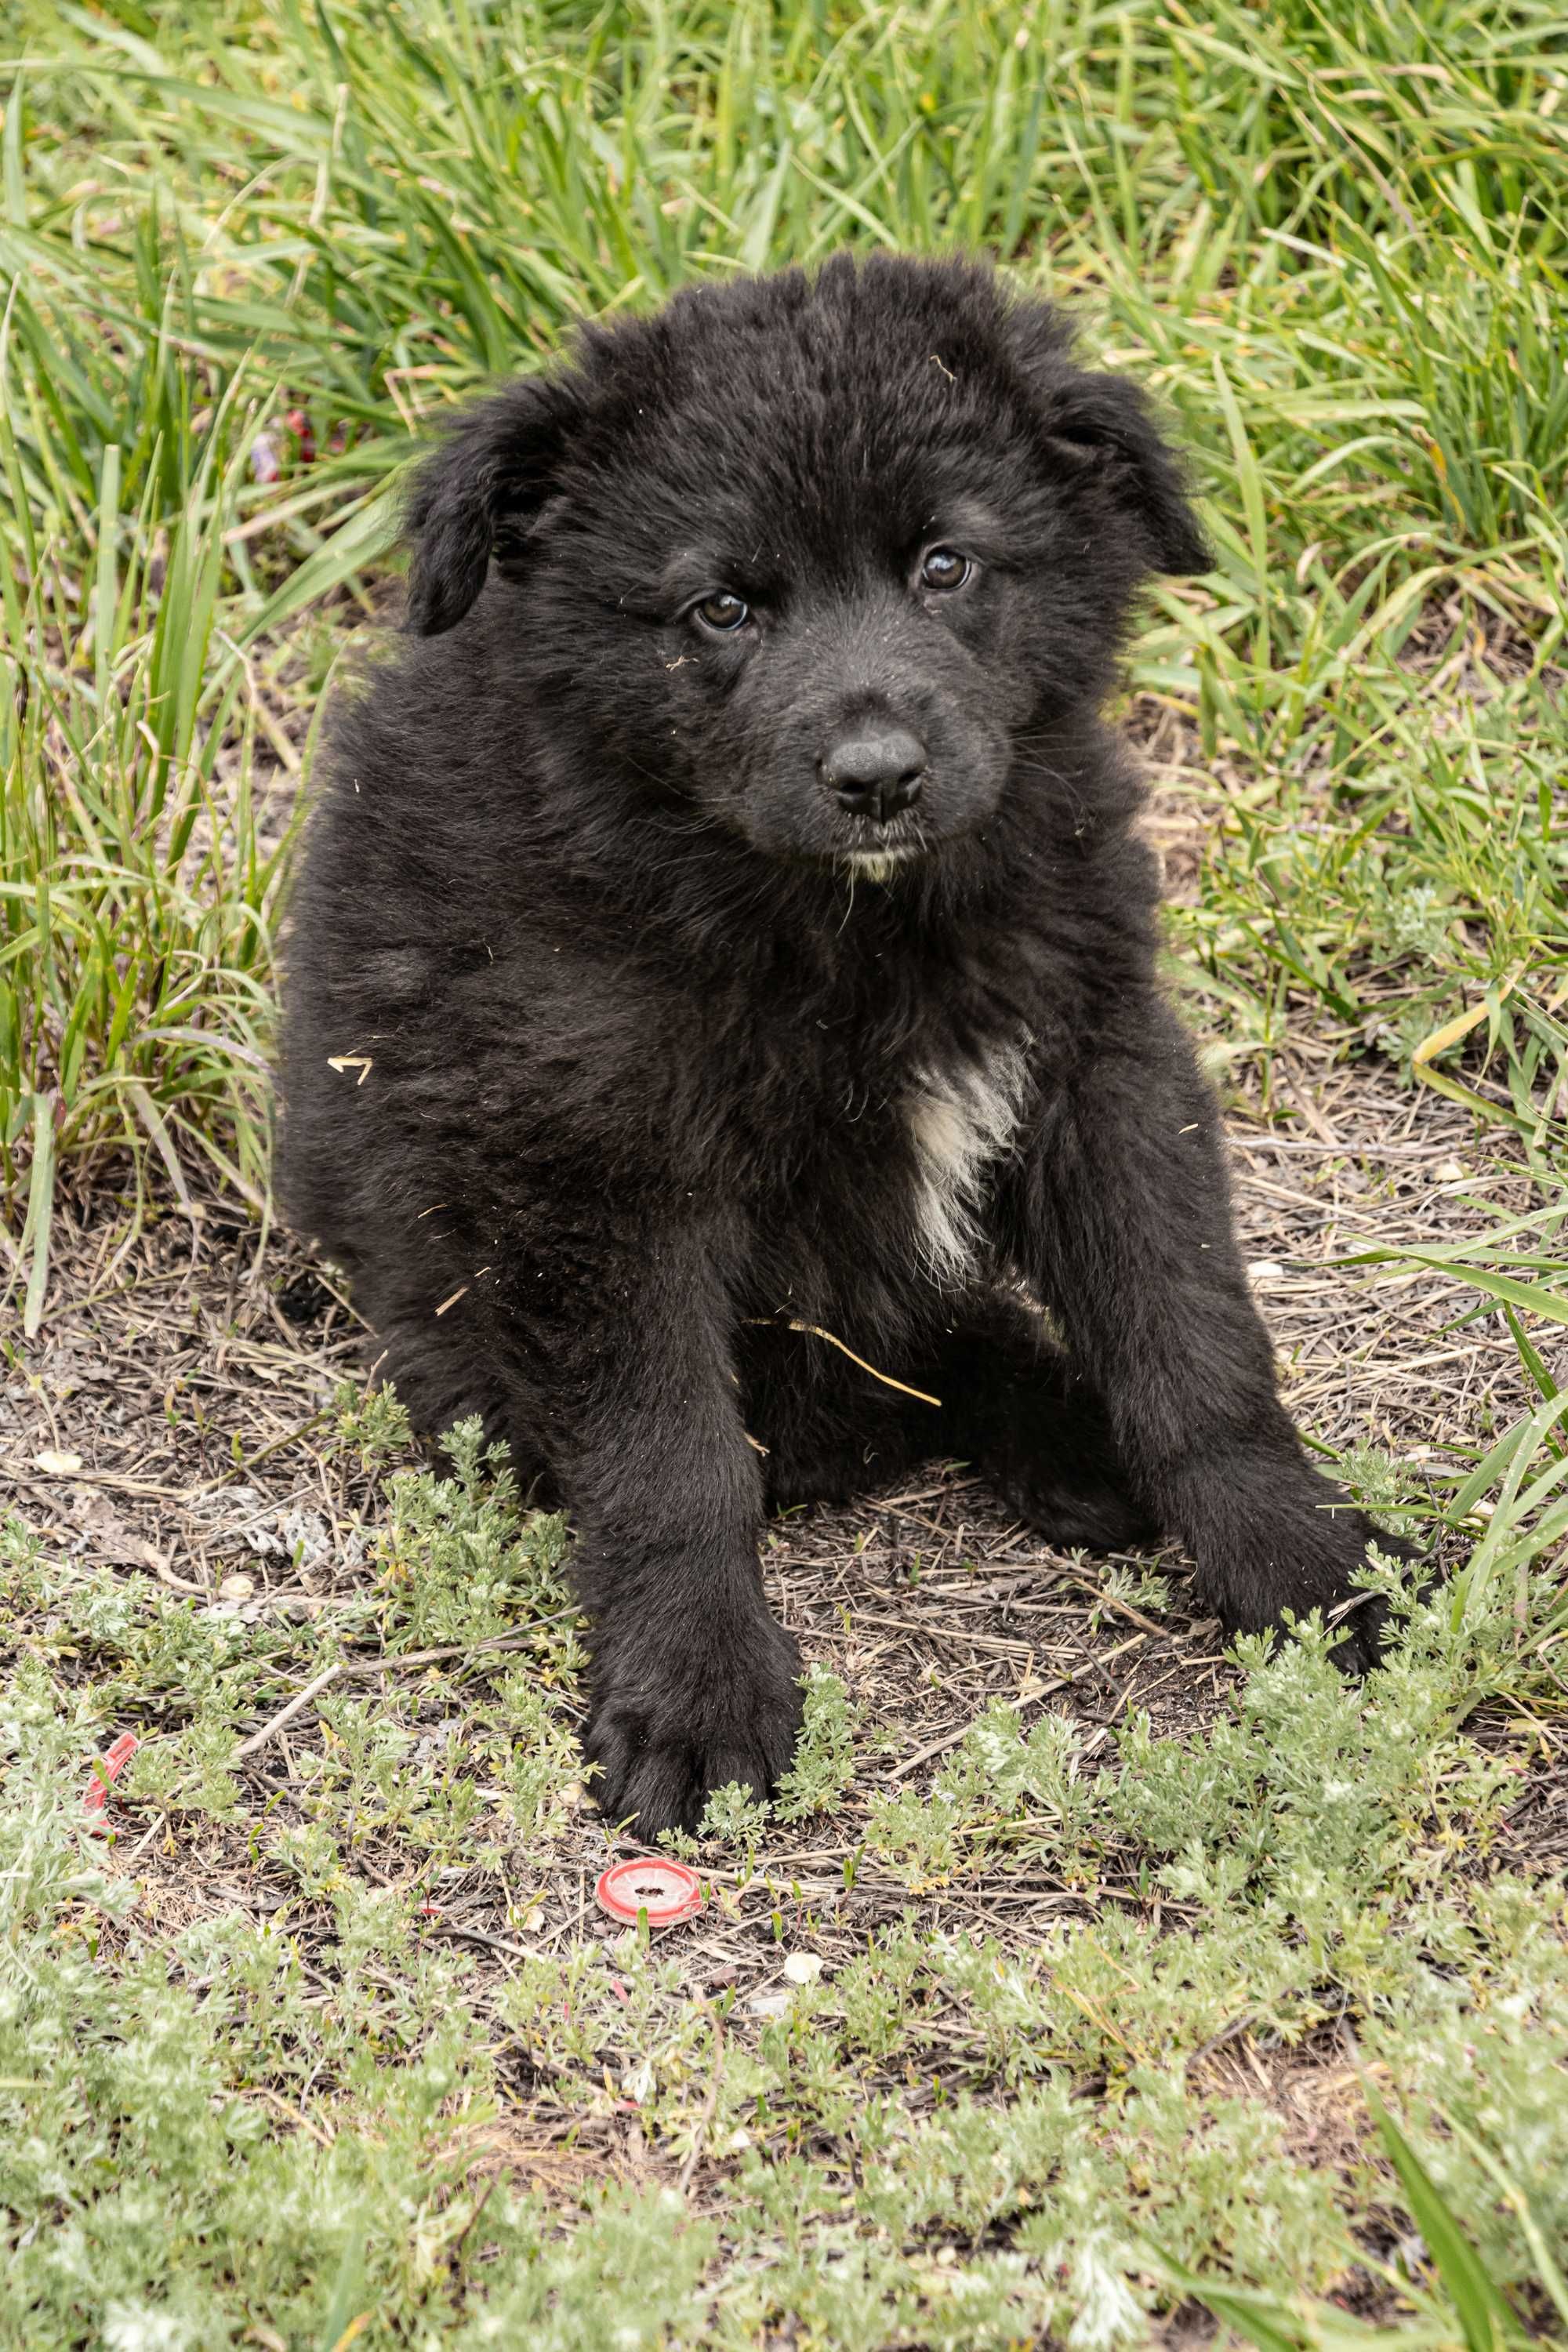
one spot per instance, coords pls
(874, 853)
(878, 864)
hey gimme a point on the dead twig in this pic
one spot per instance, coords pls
(286, 1715)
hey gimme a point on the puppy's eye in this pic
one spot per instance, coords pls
(723, 612)
(944, 568)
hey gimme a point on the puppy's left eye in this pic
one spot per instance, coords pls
(945, 568)
(722, 612)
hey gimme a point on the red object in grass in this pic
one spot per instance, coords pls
(108, 1768)
(298, 425)
(667, 1891)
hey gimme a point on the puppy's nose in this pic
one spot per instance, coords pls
(875, 772)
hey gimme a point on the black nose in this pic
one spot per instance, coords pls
(875, 772)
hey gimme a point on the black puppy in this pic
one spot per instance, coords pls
(724, 925)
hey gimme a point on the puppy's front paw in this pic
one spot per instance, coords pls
(1289, 1541)
(666, 1728)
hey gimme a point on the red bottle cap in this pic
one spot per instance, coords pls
(667, 1891)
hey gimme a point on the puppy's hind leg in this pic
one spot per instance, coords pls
(997, 1390)
(443, 1372)
(827, 1429)
(1014, 1402)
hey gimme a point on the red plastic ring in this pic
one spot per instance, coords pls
(666, 1891)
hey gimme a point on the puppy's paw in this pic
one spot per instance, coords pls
(1295, 1548)
(668, 1728)
(1049, 1449)
(1074, 1511)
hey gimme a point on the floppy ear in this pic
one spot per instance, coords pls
(1106, 426)
(476, 496)
(1101, 430)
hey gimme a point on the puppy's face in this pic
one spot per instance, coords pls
(819, 559)
(844, 676)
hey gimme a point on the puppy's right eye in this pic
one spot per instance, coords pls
(945, 568)
(722, 613)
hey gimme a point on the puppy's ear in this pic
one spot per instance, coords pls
(1101, 430)
(1106, 425)
(477, 495)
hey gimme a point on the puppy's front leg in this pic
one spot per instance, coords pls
(1123, 1216)
(693, 1683)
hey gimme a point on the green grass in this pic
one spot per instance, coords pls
(265, 2130)
(1333, 239)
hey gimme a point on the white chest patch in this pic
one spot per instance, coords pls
(961, 1121)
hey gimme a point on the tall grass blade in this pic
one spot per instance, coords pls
(1485, 2314)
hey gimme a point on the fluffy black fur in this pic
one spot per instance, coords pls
(628, 1033)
